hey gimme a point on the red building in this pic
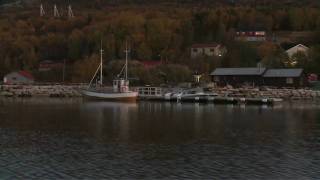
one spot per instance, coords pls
(251, 36)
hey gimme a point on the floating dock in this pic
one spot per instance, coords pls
(157, 94)
(217, 100)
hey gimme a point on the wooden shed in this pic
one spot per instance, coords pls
(285, 78)
(238, 76)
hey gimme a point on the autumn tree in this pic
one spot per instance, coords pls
(83, 70)
(76, 45)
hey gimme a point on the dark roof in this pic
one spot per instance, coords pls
(257, 27)
(283, 73)
(204, 45)
(237, 71)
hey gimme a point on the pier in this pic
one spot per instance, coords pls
(159, 94)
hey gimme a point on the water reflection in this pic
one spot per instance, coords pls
(69, 138)
(116, 113)
(157, 122)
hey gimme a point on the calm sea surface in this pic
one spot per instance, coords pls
(66, 139)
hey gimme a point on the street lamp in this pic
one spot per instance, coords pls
(160, 57)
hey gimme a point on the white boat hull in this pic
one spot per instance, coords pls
(124, 96)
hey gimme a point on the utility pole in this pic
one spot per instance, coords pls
(61, 12)
(70, 12)
(42, 12)
(64, 70)
(56, 11)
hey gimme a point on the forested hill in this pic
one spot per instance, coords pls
(207, 3)
(156, 30)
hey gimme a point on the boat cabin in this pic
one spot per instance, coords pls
(120, 85)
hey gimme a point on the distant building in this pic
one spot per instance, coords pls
(251, 36)
(151, 64)
(312, 77)
(259, 77)
(238, 76)
(19, 77)
(298, 48)
(48, 65)
(285, 78)
(211, 49)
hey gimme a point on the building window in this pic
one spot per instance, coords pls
(289, 80)
(260, 33)
(211, 50)
(195, 50)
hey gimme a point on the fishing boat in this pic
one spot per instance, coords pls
(120, 90)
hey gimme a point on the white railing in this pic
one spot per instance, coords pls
(150, 91)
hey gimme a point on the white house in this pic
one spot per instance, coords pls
(211, 49)
(298, 48)
(19, 77)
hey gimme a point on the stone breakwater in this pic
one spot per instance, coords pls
(284, 93)
(41, 90)
(64, 91)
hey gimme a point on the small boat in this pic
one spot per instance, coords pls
(120, 89)
(190, 94)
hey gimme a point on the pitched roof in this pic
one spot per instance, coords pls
(204, 45)
(237, 71)
(26, 74)
(257, 27)
(299, 46)
(283, 73)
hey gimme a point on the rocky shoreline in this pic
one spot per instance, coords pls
(41, 90)
(283, 93)
(65, 91)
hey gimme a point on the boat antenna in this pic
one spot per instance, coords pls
(101, 63)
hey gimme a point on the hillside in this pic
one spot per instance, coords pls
(156, 30)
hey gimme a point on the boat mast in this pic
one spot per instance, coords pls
(126, 72)
(101, 64)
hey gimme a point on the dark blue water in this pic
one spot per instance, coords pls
(65, 139)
